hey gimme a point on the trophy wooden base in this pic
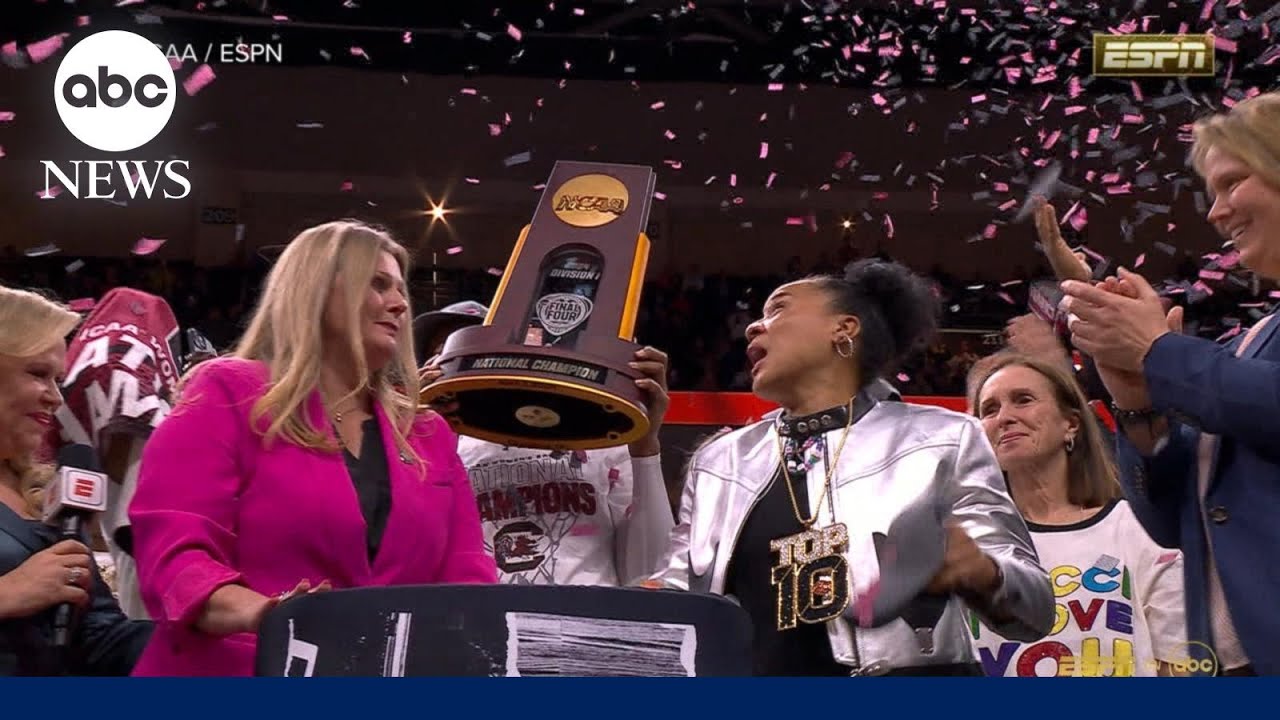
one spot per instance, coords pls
(535, 397)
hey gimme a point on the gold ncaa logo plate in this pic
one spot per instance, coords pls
(590, 200)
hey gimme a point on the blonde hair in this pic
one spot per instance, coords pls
(29, 325)
(1249, 131)
(1092, 479)
(286, 332)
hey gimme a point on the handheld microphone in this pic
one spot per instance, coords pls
(79, 489)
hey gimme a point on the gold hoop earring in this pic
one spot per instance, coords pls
(845, 355)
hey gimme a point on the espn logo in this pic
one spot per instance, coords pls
(84, 489)
(1153, 55)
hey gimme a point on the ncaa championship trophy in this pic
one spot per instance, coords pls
(548, 368)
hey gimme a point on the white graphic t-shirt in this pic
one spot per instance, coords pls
(585, 517)
(1119, 604)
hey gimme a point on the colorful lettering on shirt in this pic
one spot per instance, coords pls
(1103, 626)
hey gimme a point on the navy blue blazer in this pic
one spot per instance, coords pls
(104, 641)
(1202, 385)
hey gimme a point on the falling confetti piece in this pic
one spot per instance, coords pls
(903, 377)
(7, 116)
(1141, 259)
(146, 246)
(42, 250)
(359, 52)
(201, 77)
(472, 181)
(495, 271)
(44, 49)
(658, 105)
(74, 265)
(514, 32)
(454, 250)
(347, 186)
(764, 150)
(659, 195)
(310, 125)
(669, 135)
(518, 159)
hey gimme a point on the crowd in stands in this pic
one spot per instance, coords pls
(699, 316)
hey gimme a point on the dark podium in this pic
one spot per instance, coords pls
(505, 630)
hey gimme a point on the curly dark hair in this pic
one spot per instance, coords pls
(897, 308)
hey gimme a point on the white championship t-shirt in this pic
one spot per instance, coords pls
(593, 517)
(1119, 604)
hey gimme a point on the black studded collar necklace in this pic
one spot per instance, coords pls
(824, 421)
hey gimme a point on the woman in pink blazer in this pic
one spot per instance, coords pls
(300, 462)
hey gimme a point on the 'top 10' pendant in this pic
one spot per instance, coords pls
(811, 577)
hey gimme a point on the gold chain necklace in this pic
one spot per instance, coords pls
(811, 577)
(830, 471)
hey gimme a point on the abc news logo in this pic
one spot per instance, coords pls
(115, 92)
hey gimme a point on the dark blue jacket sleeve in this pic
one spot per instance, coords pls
(1206, 385)
(1155, 486)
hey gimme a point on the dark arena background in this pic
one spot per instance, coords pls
(788, 137)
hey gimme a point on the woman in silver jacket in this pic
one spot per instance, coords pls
(808, 517)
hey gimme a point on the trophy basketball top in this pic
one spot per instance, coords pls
(548, 368)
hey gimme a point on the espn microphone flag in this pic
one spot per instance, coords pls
(78, 488)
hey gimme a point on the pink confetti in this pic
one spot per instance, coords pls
(146, 246)
(357, 51)
(7, 115)
(514, 32)
(888, 225)
(42, 50)
(879, 99)
(579, 12)
(1092, 137)
(795, 221)
(903, 377)
(280, 18)
(1141, 259)
(82, 21)
(1212, 275)
(1223, 44)
(347, 186)
(454, 250)
(1, 151)
(51, 193)
(1132, 120)
(1001, 187)
(1274, 294)
(733, 179)
(468, 91)
(669, 135)
(1137, 91)
(1005, 205)
(472, 181)
(659, 195)
(198, 79)
(1119, 189)
(175, 63)
(1073, 109)
(989, 231)
(495, 271)
(495, 129)
(764, 150)
(775, 87)
(981, 97)
(1005, 297)
(658, 105)
(1199, 285)
(1080, 219)
(407, 38)
(1053, 138)
(772, 176)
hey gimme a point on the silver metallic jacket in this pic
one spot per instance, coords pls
(896, 457)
